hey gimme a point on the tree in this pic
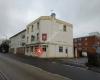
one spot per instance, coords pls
(4, 47)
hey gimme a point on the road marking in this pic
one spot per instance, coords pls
(72, 66)
(76, 67)
(2, 76)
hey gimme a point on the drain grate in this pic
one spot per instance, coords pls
(2, 76)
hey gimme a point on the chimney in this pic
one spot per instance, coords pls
(53, 15)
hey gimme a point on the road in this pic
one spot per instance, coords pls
(16, 70)
(20, 68)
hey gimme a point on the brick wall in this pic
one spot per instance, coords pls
(86, 44)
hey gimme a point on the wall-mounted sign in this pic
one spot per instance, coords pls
(44, 36)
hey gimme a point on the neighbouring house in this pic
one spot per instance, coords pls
(85, 44)
(17, 43)
(48, 37)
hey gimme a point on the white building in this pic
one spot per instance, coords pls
(17, 43)
(48, 37)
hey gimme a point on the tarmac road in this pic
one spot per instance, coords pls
(21, 69)
(16, 70)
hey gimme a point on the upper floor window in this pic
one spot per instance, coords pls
(98, 43)
(79, 44)
(9, 41)
(38, 25)
(23, 36)
(27, 39)
(64, 28)
(23, 44)
(32, 28)
(86, 44)
(32, 38)
(37, 36)
(75, 40)
(85, 38)
(28, 30)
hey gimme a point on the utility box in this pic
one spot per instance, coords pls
(98, 55)
(94, 56)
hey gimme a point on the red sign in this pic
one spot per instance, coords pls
(44, 37)
(39, 51)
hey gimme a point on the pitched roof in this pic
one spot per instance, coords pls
(49, 18)
(18, 33)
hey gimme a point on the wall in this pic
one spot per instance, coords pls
(55, 33)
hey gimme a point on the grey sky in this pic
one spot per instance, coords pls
(16, 14)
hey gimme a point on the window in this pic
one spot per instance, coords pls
(27, 49)
(60, 49)
(64, 28)
(23, 36)
(23, 44)
(85, 48)
(37, 36)
(27, 30)
(66, 50)
(85, 38)
(44, 48)
(10, 41)
(86, 44)
(32, 38)
(79, 44)
(75, 40)
(98, 43)
(32, 28)
(38, 25)
(27, 39)
(31, 48)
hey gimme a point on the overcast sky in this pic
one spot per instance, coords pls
(16, 14)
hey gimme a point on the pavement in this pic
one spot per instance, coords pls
(78, 62)
(52, 67)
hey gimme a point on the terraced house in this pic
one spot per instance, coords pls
(17, 43)
(48, 37)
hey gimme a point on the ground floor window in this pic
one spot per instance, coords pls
(60, 49)
(66, 50)
(44, 48)
(31, 48)
(27, 49)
